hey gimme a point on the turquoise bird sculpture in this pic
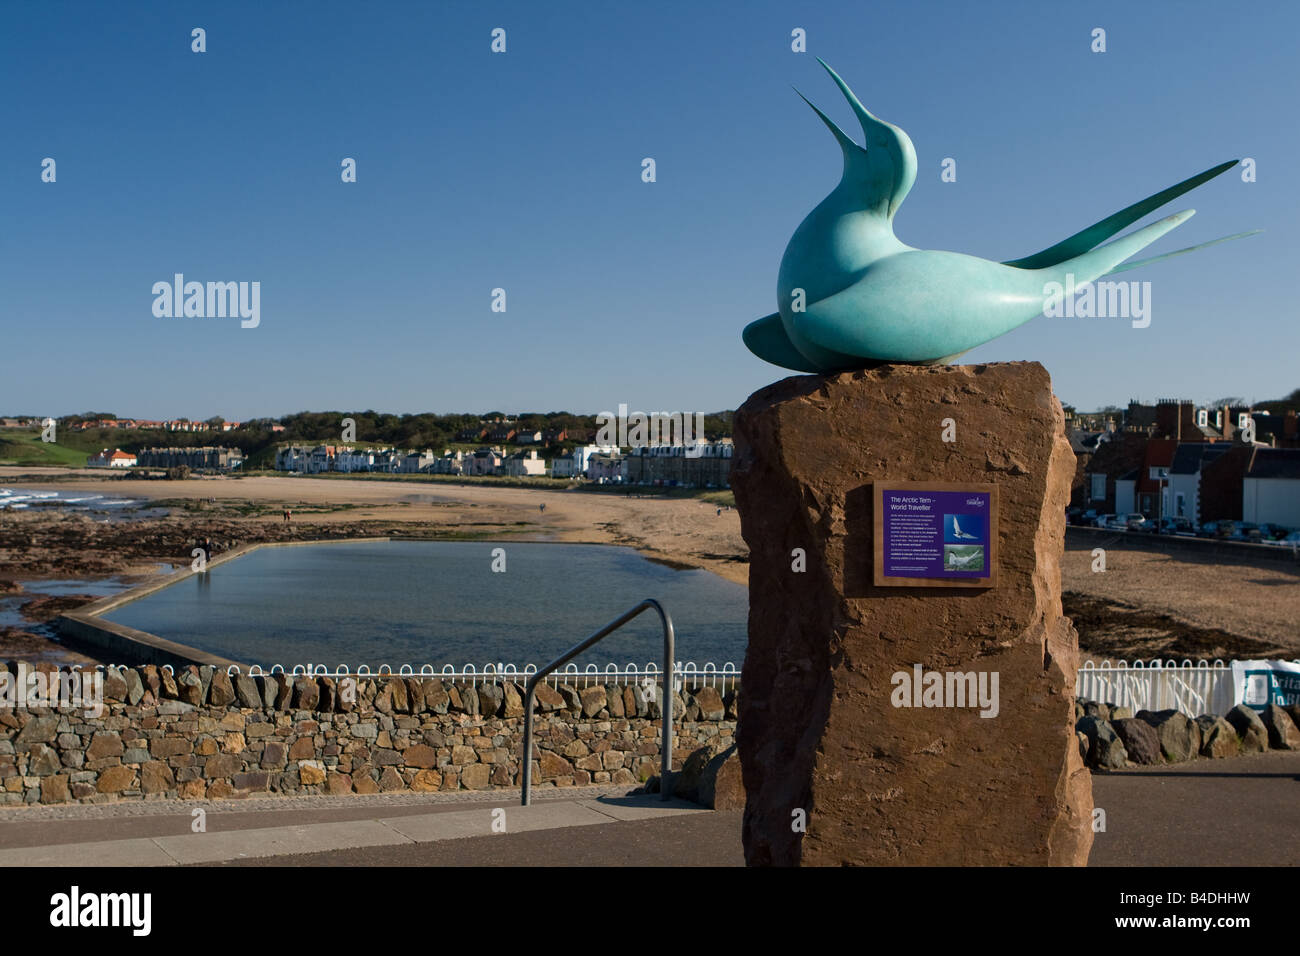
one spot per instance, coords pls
(851, 295)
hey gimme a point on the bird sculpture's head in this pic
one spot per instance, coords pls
(879, 173)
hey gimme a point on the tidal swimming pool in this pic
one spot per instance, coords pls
(439, 603)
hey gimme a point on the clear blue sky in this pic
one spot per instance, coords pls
(523, 171)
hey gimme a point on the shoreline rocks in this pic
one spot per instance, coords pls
(1169, 736)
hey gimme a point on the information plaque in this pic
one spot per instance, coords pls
(936, 534)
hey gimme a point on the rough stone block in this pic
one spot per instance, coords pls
(1218, 738)
(1180, 736)
(886, 785)
(593, 700)
(1141, 742)
(1251, 730)
(221, 692)
(156, 776)
(1282, 731)
(55, 789)
(721, 785)
(115, 780)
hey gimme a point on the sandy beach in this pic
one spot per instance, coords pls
(686, 531)
(1145, 605)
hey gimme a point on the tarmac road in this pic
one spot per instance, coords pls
(1242, 811)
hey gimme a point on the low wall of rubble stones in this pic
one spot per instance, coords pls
(1112, 737)
(203, 734)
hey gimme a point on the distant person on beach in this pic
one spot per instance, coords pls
(287, 515)
(542, 507)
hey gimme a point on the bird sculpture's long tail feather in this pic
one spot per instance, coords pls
(1104, 259)
(1098, 232)
(1178, 252)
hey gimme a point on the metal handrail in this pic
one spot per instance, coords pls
(666, 758)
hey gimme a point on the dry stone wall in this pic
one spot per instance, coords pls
(201, 733)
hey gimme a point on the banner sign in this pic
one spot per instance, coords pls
(935, 534)
(1260, 683)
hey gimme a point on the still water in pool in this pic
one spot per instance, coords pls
(440, 602)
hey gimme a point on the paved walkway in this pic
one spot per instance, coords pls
(166, 838)
(1241, 811)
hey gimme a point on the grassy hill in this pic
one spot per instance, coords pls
(26, 448)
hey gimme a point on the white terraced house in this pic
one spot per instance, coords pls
(574, 464)
(522, 464)
(353, 459)
(111, 459)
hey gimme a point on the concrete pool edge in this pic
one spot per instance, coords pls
(88, 626)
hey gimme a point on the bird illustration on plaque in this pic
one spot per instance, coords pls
(935, 534)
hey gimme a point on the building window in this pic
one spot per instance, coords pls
(1098, 487)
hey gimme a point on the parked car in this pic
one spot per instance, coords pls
(1176, 525)
(1272, 532)
(1243, 531)
(1291, 540)
(1089, 517)
(1133, 521)
(1166, 526)
(1103, 521)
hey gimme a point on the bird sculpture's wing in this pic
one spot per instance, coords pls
(766, 338)
(1099, 232)
(950, 302)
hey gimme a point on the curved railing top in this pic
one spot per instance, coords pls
(666, 758)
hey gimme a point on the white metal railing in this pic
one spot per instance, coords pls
(1204, 687)
(686, 674)
(1194, 688)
